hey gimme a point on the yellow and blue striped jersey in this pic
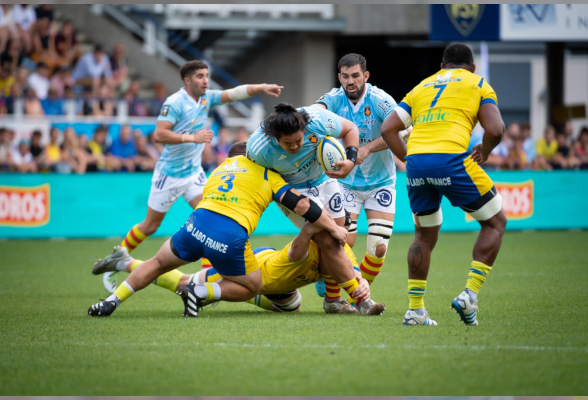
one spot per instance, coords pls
(444, 110)
(241, 190)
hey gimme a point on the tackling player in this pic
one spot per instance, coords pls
(371, 184)
(182, 127)
(235, 196)
(444, 109)
(286, 142)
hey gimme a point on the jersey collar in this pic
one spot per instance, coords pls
(356, 107)
(191, 99)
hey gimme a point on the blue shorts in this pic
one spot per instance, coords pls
(429, 177)
(220, 239)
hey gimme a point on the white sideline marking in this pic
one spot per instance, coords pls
(336, 346)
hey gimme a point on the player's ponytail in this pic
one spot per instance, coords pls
(286, 120)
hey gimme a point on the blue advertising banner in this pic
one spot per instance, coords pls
(104, 205)
(465, 22)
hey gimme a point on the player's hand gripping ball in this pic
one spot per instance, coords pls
(328, 152)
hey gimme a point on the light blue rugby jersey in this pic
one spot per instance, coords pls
(300, 170)
(188, 116)
(368, 114)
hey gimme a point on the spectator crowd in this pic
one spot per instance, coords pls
(41, 61)
(67, 152)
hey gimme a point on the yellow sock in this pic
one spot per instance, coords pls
(124, 291)
(477, 276)
(169, 280)
(416, 294)
(371, 267)
(262, 302)
(135, 264)
(350, 287)
(333, 291)
(206, 263)
(133, 238)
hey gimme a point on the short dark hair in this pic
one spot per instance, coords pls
(37, 133)
(458, 54)
(190, 67)
(98, 48)
(286, 120)
(351, 59)
(237, 149)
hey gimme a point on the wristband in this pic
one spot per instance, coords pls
(351, 153)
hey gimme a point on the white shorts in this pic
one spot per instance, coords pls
(326, 195)
(165, 190)
(379, 199)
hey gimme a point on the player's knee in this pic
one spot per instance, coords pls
(149, 228)
(379, 232)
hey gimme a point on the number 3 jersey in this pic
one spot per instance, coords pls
(241, 190)
(188, 116)
(444, 110)
(368, 113)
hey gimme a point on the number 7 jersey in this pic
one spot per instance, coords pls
(444, 110)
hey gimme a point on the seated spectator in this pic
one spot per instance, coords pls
(123, 149)
(5, 153)
(96, 150)
(24, 18)
(13, 55)
(71, 154)
(36, 144)
(119, 67)
(7, 26)
(547, 145)
(53, 105)
(223, 143)
(6, 80)
(91, 68)
(44, 52)
(22, 76)
(145, 159)
(32, 104)
(516, 159)
(51, 155)
(61, 79)
(564, 158)
(22, 159)
(154, 147)
(582, 150)
(66, 43)
(160, 94)
(104, 105)
(3, 107)
(497, 158)
(528, 143)
(45, 11)
(137, 107)
(39, 80)
(208, 158)
(242, 135)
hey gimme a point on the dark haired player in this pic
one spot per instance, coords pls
(371, 184)
(181, 126)
(443, 110)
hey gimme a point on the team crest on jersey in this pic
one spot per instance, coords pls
(164, 110)
(313, 139)
(296, 164)
(367, 111)
(203, 102)
(192, 122)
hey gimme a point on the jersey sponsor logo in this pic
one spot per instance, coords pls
(313, 139)
(464, 17)
(367, 111)
(192, 122)
(164, 111)
(304, 167)
(24, 207)
(336, 202)
(331, 124)
(321, 98)
(384, 197)
(431, 116)
(385, 106)
(371, 122)
(222, 197)
(517, 199)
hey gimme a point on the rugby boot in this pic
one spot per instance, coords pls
(466, 307)
(102, 309)
(192, 303)
(417, 317)
(120, 253)
(369, 307)
(339, 307)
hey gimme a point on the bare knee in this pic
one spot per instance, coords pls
(381, 250)
(497, 222)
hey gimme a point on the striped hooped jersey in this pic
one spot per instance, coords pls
(300, 170)
(368, 114)
(188, 116)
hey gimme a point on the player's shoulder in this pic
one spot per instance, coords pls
(377, 94)
(335, 92)
(259, 143)
(176, 98)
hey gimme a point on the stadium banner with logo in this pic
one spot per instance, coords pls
(105, 205)
(544, 22)
(469, 22)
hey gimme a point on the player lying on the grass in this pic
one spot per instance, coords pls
(235, 196)
(181, 126)
(283, 271)
(286, 142)
(371, 184)
(444, 109)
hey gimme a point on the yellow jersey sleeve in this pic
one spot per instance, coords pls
(277, 183)
(488, 94)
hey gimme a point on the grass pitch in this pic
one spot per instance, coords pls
(531, 339)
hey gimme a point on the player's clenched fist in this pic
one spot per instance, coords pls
(203, 136)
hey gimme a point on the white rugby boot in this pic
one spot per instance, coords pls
(108, 267)
(369, 307)
(339, 307)
(466, 307)
(417, 317)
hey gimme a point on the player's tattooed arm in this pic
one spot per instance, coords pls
(391, 129)
(415, 258)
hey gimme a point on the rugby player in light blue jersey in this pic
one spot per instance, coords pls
(182, 127)
(371, 184)
(286, 142)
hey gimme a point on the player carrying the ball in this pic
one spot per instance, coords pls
(444, 109)
(371, 184)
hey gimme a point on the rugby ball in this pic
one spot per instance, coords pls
(328, 152)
